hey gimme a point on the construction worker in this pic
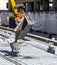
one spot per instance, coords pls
(19, 14)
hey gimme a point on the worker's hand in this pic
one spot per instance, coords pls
(17, 20)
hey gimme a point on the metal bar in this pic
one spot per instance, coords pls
(43, 38)
(24, 32)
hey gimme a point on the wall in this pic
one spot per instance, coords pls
(3, 4)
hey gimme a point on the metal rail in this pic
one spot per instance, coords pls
(41, 38)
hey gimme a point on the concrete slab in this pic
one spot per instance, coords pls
(34, 56)
(29, 55)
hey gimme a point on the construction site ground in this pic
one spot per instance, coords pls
(29, 55)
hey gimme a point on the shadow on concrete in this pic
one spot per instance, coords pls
(5, 52)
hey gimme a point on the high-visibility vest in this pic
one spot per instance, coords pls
(20, 15)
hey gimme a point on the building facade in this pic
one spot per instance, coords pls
(39, 5)
(30, 4)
